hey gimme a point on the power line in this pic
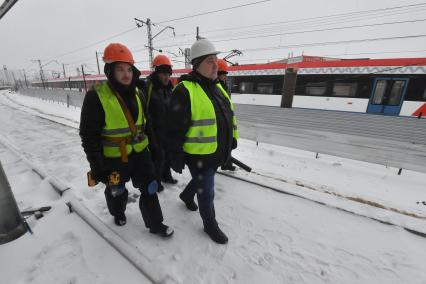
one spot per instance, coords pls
(322, 30)
(96, 43)
(327, 20)
(327, 17)
(333, 43)
(315, 24)
(262, 32)
(132, 29)
(213, 11)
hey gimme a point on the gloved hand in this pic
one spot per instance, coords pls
(177, 164)
(101, 176)
(152, 187)
(234, 143)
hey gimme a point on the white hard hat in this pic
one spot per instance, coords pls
(202, 47)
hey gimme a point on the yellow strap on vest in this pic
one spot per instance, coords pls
(126, 112)
(123, 141)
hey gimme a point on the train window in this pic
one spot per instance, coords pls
(379, 92)
(315, 89)
(424, 95)
(345, 89)
(265, 88)
(246, 87)
(396, 93)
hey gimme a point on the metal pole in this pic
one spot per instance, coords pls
(14, 81)
(12, 224)
(197, 37)
(25, 77)
(150, 47)
(63, 68)
(97, 61)
(41, 74)
(6, 74)
(289, 88)
(84, 78)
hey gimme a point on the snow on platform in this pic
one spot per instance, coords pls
(274, 238)
(62, 248)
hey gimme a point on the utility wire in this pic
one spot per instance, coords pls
(96, 43)
(298, 27)
(333, 43)
(322, 30)
(327, 18)
(213, 11)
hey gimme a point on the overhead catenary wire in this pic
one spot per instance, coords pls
(96, 43)
(333, 43)
(326, 19)
(212, 12)
(322, 30)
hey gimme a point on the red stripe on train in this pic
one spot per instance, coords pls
(421, 111)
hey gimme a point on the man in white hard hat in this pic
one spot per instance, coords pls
(201, 132)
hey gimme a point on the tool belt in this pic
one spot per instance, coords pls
(123, 142)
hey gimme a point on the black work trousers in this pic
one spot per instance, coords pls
(140, 170)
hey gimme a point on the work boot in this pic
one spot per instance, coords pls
(120, 220)
(169, 179)
(162, 230)
(216, 234)
(190, 204)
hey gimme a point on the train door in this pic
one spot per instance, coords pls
(387, 95)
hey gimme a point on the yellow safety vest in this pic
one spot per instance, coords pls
(201, 138)
(116, 131)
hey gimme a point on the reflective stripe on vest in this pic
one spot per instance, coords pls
(235, 133)
(116, 125)
(201, 138)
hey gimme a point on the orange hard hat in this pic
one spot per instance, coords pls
(118, 52)
(161, 59)
(222, 66)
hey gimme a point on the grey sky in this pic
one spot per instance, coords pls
(46, 29)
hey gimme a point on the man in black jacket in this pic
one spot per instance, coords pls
(201, 133)
(222, 73)
(158, 90)
(112, 130)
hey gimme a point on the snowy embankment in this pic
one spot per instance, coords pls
(62, 248)
(274, 237)
(358, 181)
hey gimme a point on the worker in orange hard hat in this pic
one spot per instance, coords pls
(158, 89)
(222, 73)
(112, 130)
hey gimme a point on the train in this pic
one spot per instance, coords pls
(393, 86)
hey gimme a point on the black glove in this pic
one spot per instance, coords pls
(101, 176)
(234, 143)
(177, 163)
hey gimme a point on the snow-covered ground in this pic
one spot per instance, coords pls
(274, 237)
(62, 248)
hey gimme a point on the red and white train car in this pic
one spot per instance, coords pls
(384, 86)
